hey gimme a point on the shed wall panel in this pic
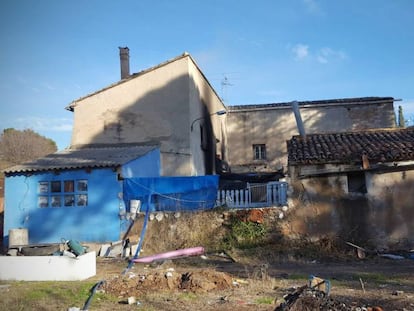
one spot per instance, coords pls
(96, 222)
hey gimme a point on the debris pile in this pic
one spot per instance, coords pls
(307, 298)
(133, 284)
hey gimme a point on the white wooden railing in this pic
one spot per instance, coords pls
(255, 195)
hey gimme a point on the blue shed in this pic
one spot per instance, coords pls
(75, 193)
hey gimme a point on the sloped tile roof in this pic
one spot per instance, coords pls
(378, 146)
(82, 158)
(313, 103)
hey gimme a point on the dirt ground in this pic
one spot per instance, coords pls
(270, 275)
(217, 283)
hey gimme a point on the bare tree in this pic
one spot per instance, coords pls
(21, 146)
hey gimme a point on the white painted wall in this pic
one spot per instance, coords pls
(47, 268)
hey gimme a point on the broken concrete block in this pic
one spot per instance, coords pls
(104, 251)
(159, 216)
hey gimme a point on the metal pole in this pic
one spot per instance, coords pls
(298, 118)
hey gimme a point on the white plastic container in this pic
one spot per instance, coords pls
(134, 206)
(18, 237)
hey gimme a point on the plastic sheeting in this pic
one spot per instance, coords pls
(172, 193)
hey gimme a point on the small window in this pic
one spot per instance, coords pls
(356, 183)
(64, 193)
(55, 185)
(259, 152)
(69, 200)
(82, 185)
(56, 201)
(82, 200)
(69, 186)
(43, 187)
(43, 201)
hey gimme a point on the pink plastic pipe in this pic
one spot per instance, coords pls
(199, 250)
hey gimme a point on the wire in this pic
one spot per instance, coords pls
(93, 290)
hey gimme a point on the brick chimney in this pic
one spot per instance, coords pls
(124, 58)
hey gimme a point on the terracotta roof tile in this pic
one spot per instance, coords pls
(378, 145)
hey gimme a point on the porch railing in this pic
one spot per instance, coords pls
(255, 195)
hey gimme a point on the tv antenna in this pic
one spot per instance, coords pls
(224, 84)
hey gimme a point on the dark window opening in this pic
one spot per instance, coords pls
(356, 183)
(203, 137)
(56, 187)
(69, 186)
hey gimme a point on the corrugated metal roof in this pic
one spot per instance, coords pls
(379, 146)
(83, 158)
(313, 103)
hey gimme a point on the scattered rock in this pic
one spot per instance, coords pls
(398, 293)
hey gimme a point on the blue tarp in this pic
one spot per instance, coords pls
(172, 193)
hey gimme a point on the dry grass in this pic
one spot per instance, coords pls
(188, 230)
(218, 230)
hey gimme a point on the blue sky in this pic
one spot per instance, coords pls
(265, 51)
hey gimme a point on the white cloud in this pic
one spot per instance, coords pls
(323, 55)
(301, 51)
(327, 54)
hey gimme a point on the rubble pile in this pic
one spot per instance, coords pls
(306, 298)
(198, 281)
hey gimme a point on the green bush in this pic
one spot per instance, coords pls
(244, 234)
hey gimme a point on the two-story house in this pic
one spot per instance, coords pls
(257, 134)
(171, 104)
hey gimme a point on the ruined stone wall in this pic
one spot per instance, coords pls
(321, 207)
(391, 205)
